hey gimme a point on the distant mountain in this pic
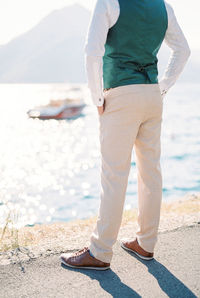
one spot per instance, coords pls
(53, 51)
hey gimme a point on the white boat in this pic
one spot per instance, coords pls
(58, 109)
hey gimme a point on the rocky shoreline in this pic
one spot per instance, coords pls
(48, 239)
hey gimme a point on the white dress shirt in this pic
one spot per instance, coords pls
(104, 16)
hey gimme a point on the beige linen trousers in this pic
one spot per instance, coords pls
(132, 118)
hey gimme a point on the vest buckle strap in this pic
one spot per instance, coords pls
(140, 68)
(137, 66)
(143, 68)
(145, 72)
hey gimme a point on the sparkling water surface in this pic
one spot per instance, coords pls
(50, 170)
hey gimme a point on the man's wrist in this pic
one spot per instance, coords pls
(99, 102)
(97, 98)
(99, 106)
(163, 87)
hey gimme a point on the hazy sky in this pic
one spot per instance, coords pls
(18, 16)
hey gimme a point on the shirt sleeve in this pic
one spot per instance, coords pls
(177, 42)
(103, 17)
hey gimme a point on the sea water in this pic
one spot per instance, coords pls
(50, 170)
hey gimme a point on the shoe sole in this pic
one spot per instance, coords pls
(81, 267)
(140, 256)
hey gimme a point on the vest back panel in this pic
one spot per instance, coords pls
(133, 43)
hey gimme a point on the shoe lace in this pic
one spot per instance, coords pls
(80, 251)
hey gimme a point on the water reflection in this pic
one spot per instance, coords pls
(50, 169)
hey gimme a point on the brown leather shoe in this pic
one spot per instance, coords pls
(83, 259)
(134, 247)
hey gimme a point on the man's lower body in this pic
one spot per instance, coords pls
(132, 118)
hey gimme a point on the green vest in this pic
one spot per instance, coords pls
(133, 43)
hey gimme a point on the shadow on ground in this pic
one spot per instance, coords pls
(111, 283)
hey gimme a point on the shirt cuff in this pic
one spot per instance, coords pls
(163, 87)
(97, 99)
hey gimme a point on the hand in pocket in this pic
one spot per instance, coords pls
(101, 108)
